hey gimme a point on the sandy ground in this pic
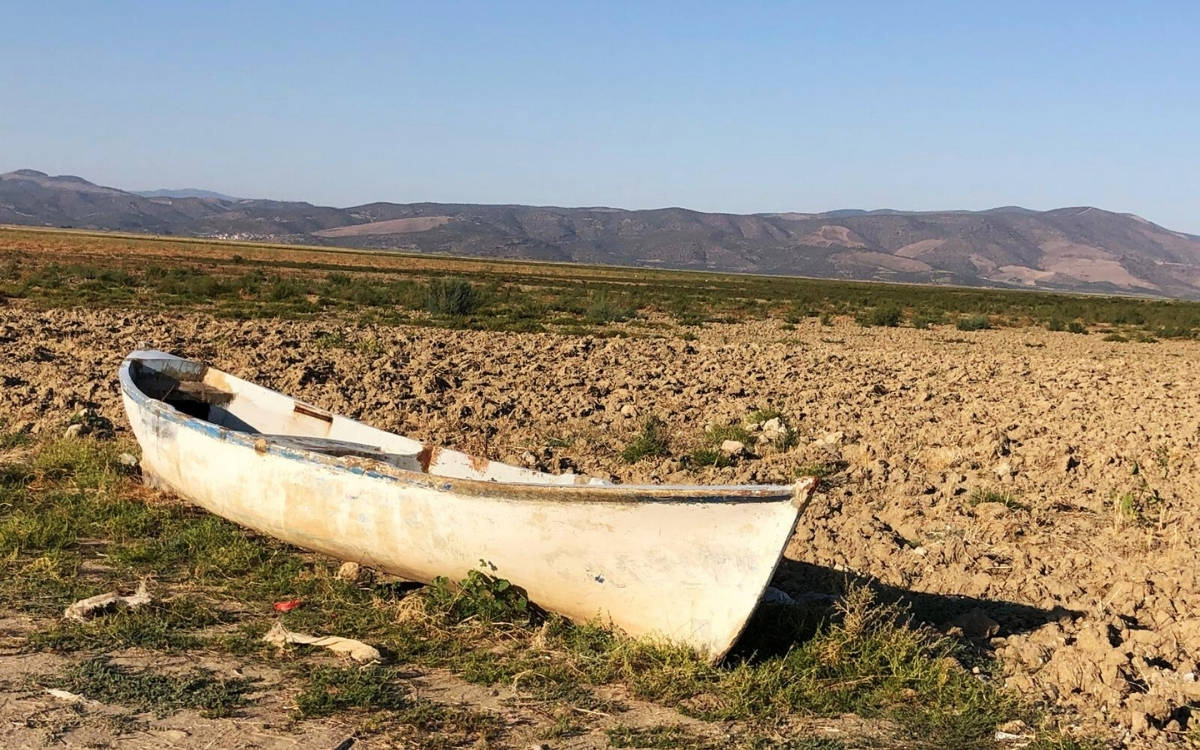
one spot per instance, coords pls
(1084, 583)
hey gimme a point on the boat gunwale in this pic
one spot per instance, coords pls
(796, 494)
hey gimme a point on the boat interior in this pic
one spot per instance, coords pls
(208, 394)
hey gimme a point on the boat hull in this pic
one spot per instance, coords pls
(684, 567)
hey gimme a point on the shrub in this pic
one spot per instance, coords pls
(604, 309)
(924, 319)
(973, 323)
(1076, 327)
(887, 315)
(286, 289)
(450, 296)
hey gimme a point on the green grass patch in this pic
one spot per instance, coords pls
(100, 679)
(989, 495)
(860, 656)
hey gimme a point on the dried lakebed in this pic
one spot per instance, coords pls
(1035, 492)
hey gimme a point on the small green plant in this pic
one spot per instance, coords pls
(664, 736)
(819, 470)
(709, 456)
(1133, 506)
(989, 495)
(651, 442)
(1115, 337)
(1076, 327)
(451, 296)
(758, 416)
(1127, 507)
(479, 597)
(826, 319)
(719, 433)
(973, 323)
(328, 690)
(334, 340)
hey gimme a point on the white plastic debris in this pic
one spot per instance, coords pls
(70, 697)
(356, 650)
(1008, 737)
(85, 609)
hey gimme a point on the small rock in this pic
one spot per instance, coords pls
(127, 459)
(733, 447)
(75, 430)
(1139, 722)
(773, 425)
(628, 411)
(833, 438)
(773, 595)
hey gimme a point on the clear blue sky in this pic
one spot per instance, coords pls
(714, 106)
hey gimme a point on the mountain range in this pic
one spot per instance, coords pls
(1079, 249)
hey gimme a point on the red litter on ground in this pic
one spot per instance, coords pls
(287, 606)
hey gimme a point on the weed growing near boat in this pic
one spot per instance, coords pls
(479, 597)
(650, 442)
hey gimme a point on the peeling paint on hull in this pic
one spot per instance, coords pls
(683, 563)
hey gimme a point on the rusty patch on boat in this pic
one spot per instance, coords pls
(425, 457)
(310, 411)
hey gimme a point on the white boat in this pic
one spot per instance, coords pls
(683, 563)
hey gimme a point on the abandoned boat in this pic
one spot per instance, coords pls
(682, 563)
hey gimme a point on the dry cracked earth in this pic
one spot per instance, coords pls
(1037, 493)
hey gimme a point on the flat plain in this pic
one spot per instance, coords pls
(1000, 554)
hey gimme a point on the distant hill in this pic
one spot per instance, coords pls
(1072, 249)
(184, 193)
